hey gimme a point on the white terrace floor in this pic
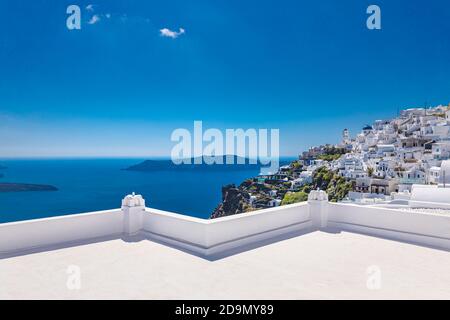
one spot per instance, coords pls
(313, 266)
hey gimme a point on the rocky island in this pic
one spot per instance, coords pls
(22, 187)
(194, 164)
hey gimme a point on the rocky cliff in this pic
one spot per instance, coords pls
(234, 201)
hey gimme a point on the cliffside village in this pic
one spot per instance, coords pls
(380, 164)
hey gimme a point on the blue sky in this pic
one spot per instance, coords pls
(119, 88)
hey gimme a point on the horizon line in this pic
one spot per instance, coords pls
(6, 158)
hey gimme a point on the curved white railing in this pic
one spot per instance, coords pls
(209, 237)
(48, 232)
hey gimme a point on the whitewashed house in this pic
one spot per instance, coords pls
(362, 185)
(434, 175)
(385, 150)
(412, 112)
(386, 167)
(441, 150)
(305, 177)
(412, 176)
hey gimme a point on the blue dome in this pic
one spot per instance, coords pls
(368, 128)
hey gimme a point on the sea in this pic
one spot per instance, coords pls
(86, 185)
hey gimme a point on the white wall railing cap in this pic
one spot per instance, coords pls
(133, 200)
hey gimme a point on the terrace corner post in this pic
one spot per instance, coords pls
(318, 206)
(133, 208)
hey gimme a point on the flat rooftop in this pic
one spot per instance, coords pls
(317, 265)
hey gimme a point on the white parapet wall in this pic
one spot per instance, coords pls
(426, 196)
(213, 237)
(415, 227)
(62, 230)
(207, 237)
(203, 237)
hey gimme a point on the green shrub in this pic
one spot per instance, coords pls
(329, 157)
(336, 186)
(294, 197)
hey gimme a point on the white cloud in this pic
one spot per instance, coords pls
(171, 34)
(95, 18)
(90, 7)
(108, 15)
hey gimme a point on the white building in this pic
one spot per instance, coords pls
(434, 175)
(412, 176)
(385, 150)
(441, 130)
(441, 150)
(412, 112)
(305, 177)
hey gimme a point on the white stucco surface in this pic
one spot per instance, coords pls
(317, 265)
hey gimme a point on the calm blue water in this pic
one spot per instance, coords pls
(89, 185)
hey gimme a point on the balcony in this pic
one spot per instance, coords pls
(411, 180)
(316, 249)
